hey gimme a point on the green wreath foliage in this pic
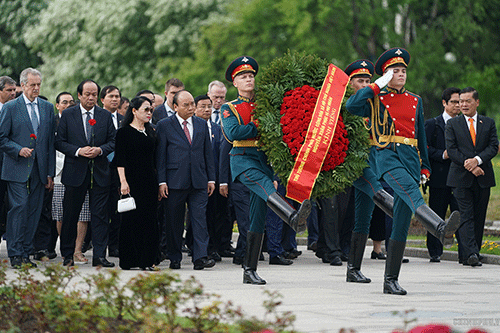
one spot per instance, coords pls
(284, 74)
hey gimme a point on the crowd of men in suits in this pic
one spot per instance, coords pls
(193, 159)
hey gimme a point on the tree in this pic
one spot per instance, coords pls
(128, 44)
(17, 16)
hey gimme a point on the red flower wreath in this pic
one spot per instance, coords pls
(297, 110)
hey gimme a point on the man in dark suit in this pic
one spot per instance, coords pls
(86, 135)
(186, 174)
(27, 141)
(440, 196)
(110, 98)
(471, 142)
(166, 109)
(239, 199)
(217, 204)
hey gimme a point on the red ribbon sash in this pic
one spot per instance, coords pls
(319, 135)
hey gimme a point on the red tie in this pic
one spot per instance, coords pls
(186, 131)
(472, 131)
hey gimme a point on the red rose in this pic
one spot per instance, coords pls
(92, 122)
(33, 136)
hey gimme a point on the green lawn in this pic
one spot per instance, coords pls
(494, 205)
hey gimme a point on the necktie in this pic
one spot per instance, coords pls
(217, 118)
(88, 128)
(115, 120)
(472, 131)
(34, 118)
(186, 131)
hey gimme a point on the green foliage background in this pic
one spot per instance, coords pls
(139, 44)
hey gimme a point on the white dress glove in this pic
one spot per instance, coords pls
(385, 79)
(423, 179)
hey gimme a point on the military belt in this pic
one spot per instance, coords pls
(246, 143)
(397, 139)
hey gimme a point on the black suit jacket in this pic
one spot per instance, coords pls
(460, 147)
(71, 136)
(159, 113)
(436, 145)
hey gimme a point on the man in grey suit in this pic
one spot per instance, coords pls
(27, 127)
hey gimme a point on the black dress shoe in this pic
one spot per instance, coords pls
(16, 262)
(473, 261)
(41, 255)
(68, 262)
(102, 262)
(175, 265)
(435, 259)
(481, 258)
(295, 252)
(344, 257)
(203, 263)
(313, 246)
(336, 261)
(379, 255)
(86, 247)
(405, 260)
(391, 286)
(29, 263)
(226, 253)
(114, 253)
(215, 256)
(52, 255)
(280, 260)
(238, 260)
(250, 276)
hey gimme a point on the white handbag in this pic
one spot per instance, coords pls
(126, 204)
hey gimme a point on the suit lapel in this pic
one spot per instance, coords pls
(440, 122)
(24, 113)
(79, 121)
(178, 128)
(464, 125)
(479, 129)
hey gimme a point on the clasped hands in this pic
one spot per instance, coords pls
(471, 165)
(89, 152)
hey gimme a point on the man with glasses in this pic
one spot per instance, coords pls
(440, 196)
(471, 143)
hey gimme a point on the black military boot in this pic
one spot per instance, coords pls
(392, 268)
(384, 201)
(358, 244)
(254, 244)
(442, 230)
(296, 219)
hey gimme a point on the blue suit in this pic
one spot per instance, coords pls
(81, 174)
(26, 177)
(239, 197)
(186, 169)
(159, 113)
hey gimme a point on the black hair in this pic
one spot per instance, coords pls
(176, 97)
(58, 97)
(144, 91)
(448, 92)
(106, 90)
(201, 98)
(136, 103)
(123, 100)
(474, 92)
(79, 89)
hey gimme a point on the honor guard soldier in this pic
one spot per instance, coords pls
(368, 190)
(400, 156)
(249, 165)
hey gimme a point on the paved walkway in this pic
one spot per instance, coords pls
(323, 302)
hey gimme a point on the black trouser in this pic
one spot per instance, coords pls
(43, 232)
(439, 200)
(72, 205)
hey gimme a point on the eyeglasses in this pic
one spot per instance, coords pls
(148, 110)
(454, 102)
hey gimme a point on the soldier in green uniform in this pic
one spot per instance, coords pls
(249, 165)
(400, 157)
(368, 190)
